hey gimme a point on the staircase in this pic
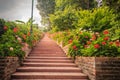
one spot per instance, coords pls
(48, 62)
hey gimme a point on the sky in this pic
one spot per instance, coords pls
(19, 10)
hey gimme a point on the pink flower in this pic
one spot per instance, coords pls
(5, 27)
(86, 46)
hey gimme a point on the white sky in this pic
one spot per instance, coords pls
(19, 10)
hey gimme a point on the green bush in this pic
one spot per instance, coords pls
(97, 19)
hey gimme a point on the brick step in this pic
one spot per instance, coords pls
(34, 64)
(48, 75)
(56, 58)
(47, 52)
(48, 61)
(37, 52)
(54, 55)
(49, 79)
(46, 49)
(48, 45)
(49, 69)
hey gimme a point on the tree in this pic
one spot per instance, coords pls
(45, 8)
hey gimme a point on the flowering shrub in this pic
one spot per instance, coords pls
(86, 43)
(102, 45)
(16, 39)
(79, 43)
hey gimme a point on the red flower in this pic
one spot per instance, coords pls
(80, 32)
(15, 29)
(75, 47)
(96, 46)
(24, 36)
(86, 46)
(105, 32)
(70, 41)
(86, 36)
(88, 42)
(103, 43)
(28, 33)
(106, 38)
(5, 27)
(117, 43)
(93, 37)
(111, 43)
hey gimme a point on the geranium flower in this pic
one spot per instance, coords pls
(5, 27)
(106, 38)
(86, 46)
(24, 36)
(75, 47)
(88, 42)
(111, 43)
(28, 33)
(80, 32)
(70, 41)
(93, 37)
(15, 29)
(86, 36)
(103, 43)
(105, 32)
(96, 46)
(117, 43)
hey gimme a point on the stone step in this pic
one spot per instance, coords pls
(48, 61)
(48, 75)
(35, 64)
(56, 58)
(48, 69)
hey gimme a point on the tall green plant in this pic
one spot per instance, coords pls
(97, 20)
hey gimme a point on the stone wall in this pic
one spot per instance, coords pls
(100, 68)
(8, 66)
